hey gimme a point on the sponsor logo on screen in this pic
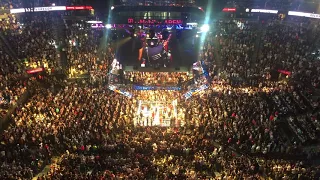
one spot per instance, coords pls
(154, 21)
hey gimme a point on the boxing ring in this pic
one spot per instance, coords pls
(158, 113)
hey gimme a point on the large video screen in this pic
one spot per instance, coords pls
(161, 49)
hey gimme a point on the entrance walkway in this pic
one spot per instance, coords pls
(47, 168)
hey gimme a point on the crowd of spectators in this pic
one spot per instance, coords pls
(237, 47)
(298, 40)
(249, 119)
(91, 128)
(12, 83)
(287, 46)
(157, 78)
(34, 41)
(27, 42)
(10, 4)
(157, 95)
(55, 119)
(84, 54)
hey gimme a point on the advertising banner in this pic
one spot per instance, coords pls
(36, 70)
(284, 72)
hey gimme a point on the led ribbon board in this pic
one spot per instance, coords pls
(229, 10)
(49, 8)
(79, 8)
(268, 11)
(303, 14)
(38, 9)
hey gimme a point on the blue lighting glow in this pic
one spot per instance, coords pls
(190, 93)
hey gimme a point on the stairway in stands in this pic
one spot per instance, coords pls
(7, 47)
(216, 54)
(54, 161)
(103, 45)
(59, 30)
(258, 44)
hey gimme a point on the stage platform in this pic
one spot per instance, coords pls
(151, 69)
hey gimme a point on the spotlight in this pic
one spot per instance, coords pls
(108, 26)
(112, 7)
(197, 35)
(205, 28)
